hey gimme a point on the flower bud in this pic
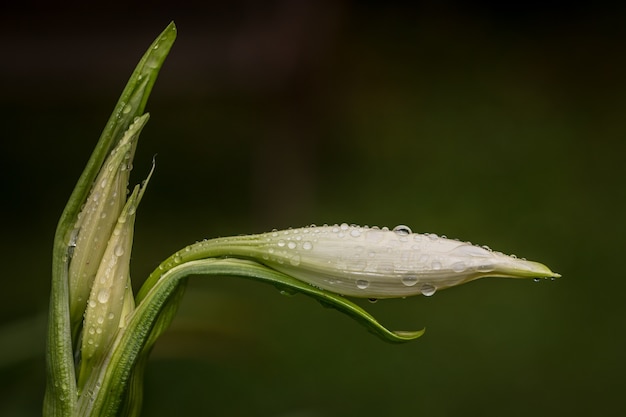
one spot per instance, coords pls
(97, 219)
(378, 263)
(111, 298)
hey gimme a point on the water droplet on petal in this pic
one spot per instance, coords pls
(307, 245)
(362, 284)
(485, 268)
(428, 289)
(409, 280)
(92, 303)
(295, 260)
(355, 233)
(403, 230)
(372, 300)
(281, 243)
(291, 245)
(458, 266)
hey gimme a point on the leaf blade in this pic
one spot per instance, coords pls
(61, 391)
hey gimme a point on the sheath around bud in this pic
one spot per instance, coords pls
(377, 263)
(97, 220)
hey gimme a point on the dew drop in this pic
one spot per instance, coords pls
(355, 233)
(372, 300)
(119, 250)
(344, 226)
(409, 280)
(291, 245)
(362, 284)
(458, 266)
(111, 316)
(307, 245)
(428, 289)
(281, 243)
(90, 341)
(536, 279)
(436, 265)
(127, 109)
(178, 259)
(92, 330)
(485, 268)
(402, 230)
(92, 303)
(295, 260)
(99, 330)
(100, 319)
(103, 295)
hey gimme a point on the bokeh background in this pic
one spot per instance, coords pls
(500, 124)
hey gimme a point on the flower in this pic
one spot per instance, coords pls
(371, 262)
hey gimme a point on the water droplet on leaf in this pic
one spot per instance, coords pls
(119, 250)
(103, 295)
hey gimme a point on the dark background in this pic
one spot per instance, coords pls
(503, 125)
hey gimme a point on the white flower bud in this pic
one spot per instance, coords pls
(378, 263)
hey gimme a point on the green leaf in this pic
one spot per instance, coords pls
(61, 392)
(105, 391)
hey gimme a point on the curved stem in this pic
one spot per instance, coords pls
(105, 390)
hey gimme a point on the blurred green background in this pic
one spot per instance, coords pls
(503, 125)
